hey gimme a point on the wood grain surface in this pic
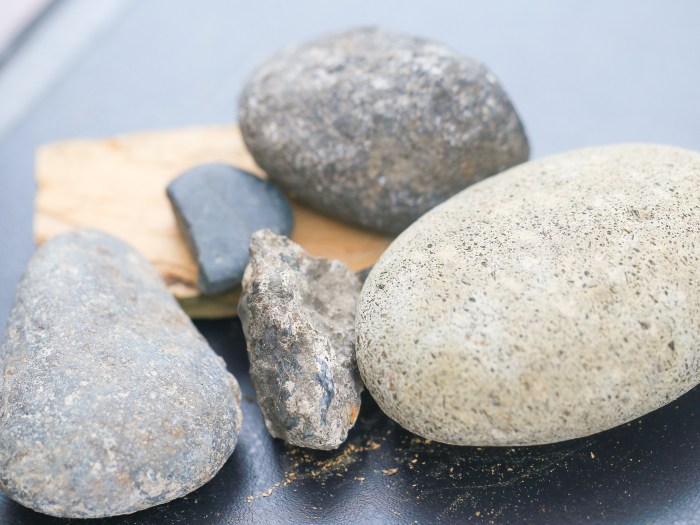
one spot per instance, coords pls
(118, 185)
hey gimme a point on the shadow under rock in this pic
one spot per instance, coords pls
(640, 472)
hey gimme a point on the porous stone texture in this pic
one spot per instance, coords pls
(298, 316)
(112, 402)
(375, 127)
(553, 301)
(218, 207)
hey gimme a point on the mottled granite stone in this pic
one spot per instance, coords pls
(112, 402)
(218, 207)
(556, 300)
(298, 315)
(375, 127)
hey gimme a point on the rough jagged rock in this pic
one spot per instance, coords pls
(112, 402)
(218, 207)
(298, 315)
(375, 127)
(555, 300)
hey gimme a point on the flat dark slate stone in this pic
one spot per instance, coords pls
(218, 208)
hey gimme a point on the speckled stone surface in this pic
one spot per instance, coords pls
(112, 402)
(375, 127)
(218, 207)
(558, 299)
(298, 316)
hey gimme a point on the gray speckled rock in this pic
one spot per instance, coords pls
(555, 300)
(112, 402)
(218, 207)
(298, 315)
(375, 127)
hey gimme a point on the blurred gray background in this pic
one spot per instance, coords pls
(579, 73)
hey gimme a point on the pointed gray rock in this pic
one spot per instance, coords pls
(298, 314)
(112, 402)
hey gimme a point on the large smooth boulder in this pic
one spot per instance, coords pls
(553, 301)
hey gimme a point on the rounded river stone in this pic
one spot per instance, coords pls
(112, 402)
(556, 300)
(375, 127)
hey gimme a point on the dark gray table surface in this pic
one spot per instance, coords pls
(580, 74)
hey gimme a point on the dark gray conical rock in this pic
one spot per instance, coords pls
(375, 127)
(112, 402)
(218, 207)
(298, 315)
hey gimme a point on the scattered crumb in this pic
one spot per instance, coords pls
(336, 466)
(289, 477)
(592, 455)
(477, 513)
(390, 472)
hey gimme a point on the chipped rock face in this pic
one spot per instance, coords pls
(218, 207)
(112, 402)
(556, 300)
(375, 128)
(298, 315)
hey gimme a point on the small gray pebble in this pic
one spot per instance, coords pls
(112, 402)
(375, 127)
(298, 315)
(218, 207)
(555, 300)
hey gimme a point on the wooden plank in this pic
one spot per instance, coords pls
(118, 185)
